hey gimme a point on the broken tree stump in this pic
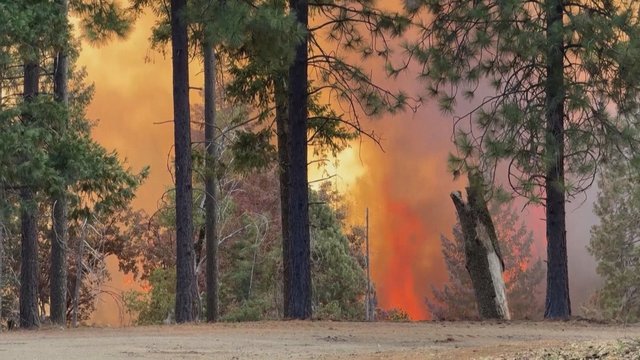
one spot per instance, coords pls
(482, 253)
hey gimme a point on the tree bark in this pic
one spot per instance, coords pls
(79, 272)
(29, 263)
(2, 219)
(211, 231)
(299, 299)
(1, 266)
(482, 252)
(1, 85)
(58, 271)
(186, 296)
(558, 303)
(29, 228)
(282, 128)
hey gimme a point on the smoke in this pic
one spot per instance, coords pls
(133, 107)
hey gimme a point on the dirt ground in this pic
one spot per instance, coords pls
(317, 340)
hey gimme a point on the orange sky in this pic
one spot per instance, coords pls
(406, 187)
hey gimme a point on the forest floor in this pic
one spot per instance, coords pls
(331, 340)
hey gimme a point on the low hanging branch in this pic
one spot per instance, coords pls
(482, 253)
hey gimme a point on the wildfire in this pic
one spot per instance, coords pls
(398, 272)
(406, 187)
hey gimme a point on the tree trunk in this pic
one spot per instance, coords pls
(79, 268)
(482, 252)
(1, 266)
(558, 304)
(211, 231)
(1, 84)
(58, 271)
(29, 263)
(186, 296)
(29, 248)
(2, 220)
(282, 124)
(299, 299)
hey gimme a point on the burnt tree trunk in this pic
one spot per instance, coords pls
(282, 128)
(482, 253)
(186, 293)
(211, 232)
(58, 270)
(299, 296)
(558, 303)
(29, 226)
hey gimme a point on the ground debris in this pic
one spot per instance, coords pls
(619, 350)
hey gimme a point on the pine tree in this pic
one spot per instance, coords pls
(338, 277)
(614, 241)
(46, 141)
(572, 64)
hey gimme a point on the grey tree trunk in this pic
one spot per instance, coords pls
(282, 128)
(558, 303)
(299, 296)
(211, 231)
(186, 291)
(58, 271)
(29, 318)
(482, 252)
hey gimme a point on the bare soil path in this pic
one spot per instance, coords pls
(314, 340)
